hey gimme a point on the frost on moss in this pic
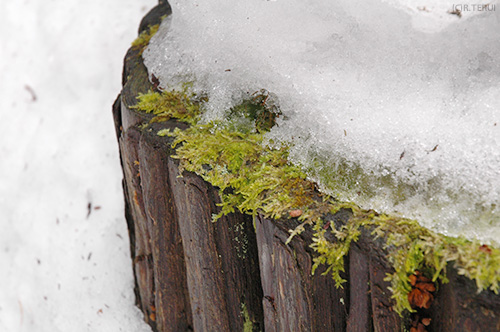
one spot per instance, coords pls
(253, 178)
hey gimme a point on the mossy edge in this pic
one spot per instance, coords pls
(142, 41)
(253, 178)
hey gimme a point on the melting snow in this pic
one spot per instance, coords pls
(401, 98)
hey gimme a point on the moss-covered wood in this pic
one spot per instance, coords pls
(241, 274)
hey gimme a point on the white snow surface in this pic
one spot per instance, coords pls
(62, 269)
(401, 96)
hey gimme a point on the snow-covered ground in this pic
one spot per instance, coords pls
(64, 249)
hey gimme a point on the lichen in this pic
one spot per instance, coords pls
(248, 325)
(240, 239)
(256, 178)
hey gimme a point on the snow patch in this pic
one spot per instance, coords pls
(401, 97)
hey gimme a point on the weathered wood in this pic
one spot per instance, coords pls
(293, 298)
(237, 248)
(137, 222)
(384, 317)
(360, 318)
(458, 306)
(330, 310)
(193, 274)
(222, 268)
(172, 305)
(285, 304)
(203, 266)
(155, 15)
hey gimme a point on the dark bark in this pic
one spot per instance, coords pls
(384, 317)
(460, 307)
(173, 311)
(359, 285)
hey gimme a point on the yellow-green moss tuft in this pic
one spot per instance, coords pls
(167, 105)
(142, 41)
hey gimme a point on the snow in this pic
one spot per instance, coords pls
(64, 266)
(401, 96)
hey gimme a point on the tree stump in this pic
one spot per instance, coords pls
(238, 274)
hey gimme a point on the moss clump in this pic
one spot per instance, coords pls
(412, 247)
(332, 253)
(142, 41)
(164, 106)
(253, 178)
(258, 112)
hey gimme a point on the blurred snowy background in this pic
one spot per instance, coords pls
(64, 249)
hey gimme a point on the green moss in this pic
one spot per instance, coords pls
(250, 177)
(178, 105)
(142, 41)
(332, 253)
(253, 178)
(258, 113)
(412, 247)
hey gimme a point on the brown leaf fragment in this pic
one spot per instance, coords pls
(484, 248)
(415, 297)
(89, 209)
(427, 286)
(457, 12)
(429, 298)
(155, 81)
(31, 92)
(421, 278)
(413, 279)
(420, 298)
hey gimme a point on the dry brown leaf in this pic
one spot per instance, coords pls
(484, 248)
(413, 279)
(426, 321)
(420, 298)
(426, 286)
(295, 213)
